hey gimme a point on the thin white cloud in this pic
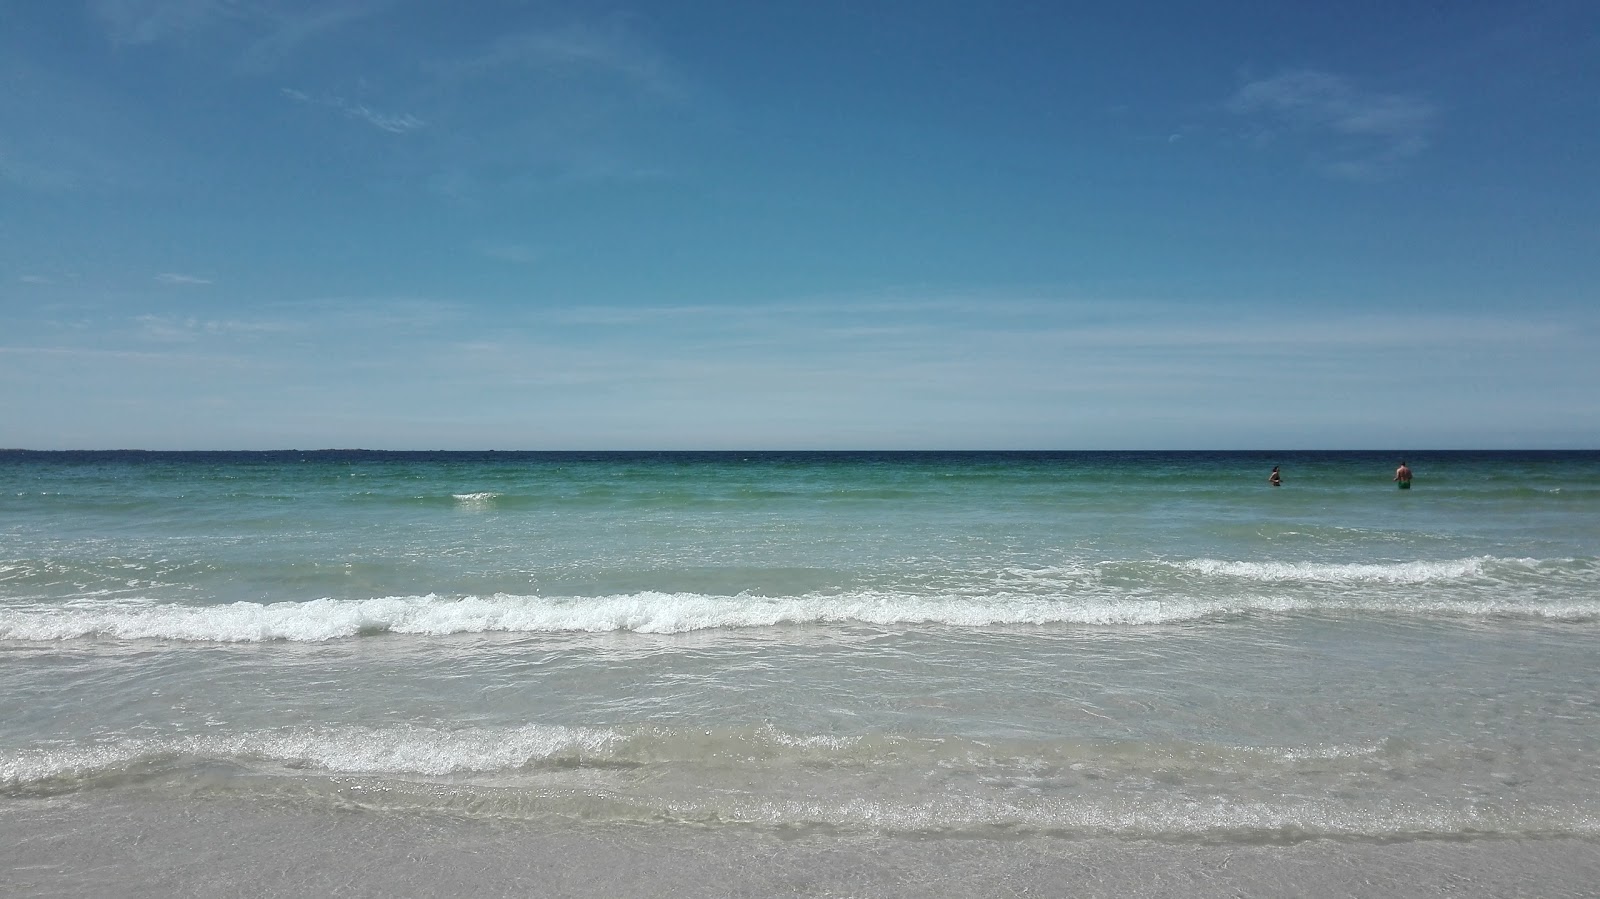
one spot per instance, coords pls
(606, 48)
(841, 370)
(1029, 328)
(35, 279)
(270, 30)
(396, 316)
(289, 30)
(592, 100)
(177, 278)
(1354, 133)
(166, 330)
(81, 353)
(150, 21)
(171, 329)
(394, 123)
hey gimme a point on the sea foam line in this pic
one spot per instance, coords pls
(412, 750)
(1127, 804)
(322, 620)
(419, 750)
(1421, 571)
(1287, 822)
(437, 751)
(646, 613)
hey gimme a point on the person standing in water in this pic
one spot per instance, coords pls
(1402, 476)
(1275, 479)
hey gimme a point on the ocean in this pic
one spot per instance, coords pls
(799, 673)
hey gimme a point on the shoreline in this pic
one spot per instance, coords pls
(135, 846)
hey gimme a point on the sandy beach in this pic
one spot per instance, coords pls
(135, 847)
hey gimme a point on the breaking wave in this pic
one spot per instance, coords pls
(656, 775)
(1117, 594)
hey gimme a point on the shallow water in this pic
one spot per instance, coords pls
(857, 647)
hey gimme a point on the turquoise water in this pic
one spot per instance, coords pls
(1155, 645)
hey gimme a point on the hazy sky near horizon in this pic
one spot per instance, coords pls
(400, 224)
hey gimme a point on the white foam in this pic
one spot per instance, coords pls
(646, 613)
(402, 750)
(1053, 597)
(475, 499)
(1289, 819)
(1417, 572)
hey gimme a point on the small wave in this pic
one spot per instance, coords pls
(765, 778)
(1287, 822)
(430, 751)
(439, 751)
(475, 499)
(413, 750)
(1415, 572)
(322, 620)
(646, 613)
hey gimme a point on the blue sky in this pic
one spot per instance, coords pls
(522, 225)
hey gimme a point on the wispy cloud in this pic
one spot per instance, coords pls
(891, 369)
(287, 31)
(188, 329)
(1029, 328)
(579, 102)
(148, 21)
(77, 354)
(176, 278)
(606, 48)
(35, 279)
(395, 315)
(393, 123)
(1354, 133)
(867, 374)
(261, 34)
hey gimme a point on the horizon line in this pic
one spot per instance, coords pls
(994, 450)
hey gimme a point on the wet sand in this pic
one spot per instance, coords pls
(137, 847)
